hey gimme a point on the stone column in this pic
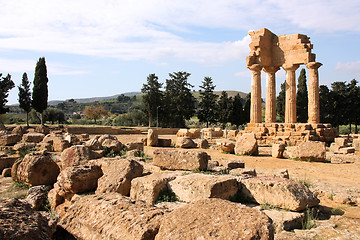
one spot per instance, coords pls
(255, 108)
(313, 92)
(290, 94)
(270, 107)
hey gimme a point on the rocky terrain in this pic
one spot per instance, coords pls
(191, 185)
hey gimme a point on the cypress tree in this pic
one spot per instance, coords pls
(237, 116)
(247, 108)
(25, 96)
(207, 104)
(40, 89)
(6, 84)
(302, 98)
(280, 103)
(152, 98)
(224, 108)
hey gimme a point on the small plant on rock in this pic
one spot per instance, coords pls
(309, 220)
(166, 195)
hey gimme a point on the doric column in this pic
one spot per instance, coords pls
(255, 108)
(313, 92)
(270, 107)
(290, 94)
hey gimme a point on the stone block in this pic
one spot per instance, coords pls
(312, 151)
(246, 145)
(9, 139)
(278, 150)
(185, 142)
(164, 142)
(225, 145)
(33, 137)
(232, 163)
(356, 144)
(347, 150)
(341, 141)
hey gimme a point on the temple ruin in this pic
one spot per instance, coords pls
(270, 52)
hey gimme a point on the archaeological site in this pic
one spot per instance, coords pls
(270, 180)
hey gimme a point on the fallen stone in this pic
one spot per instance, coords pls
(134, 146)
(9, 139)
(215, 219)
(243, 171)
(111, 216)
(102, 138)
(197, 186)
(246, 145)
(6, 172)
(275, 173)
(164, 142)
(134, 153)
(347, 150)
(285, 220)
(279, 192)
(60, 144)
(42, 129)
(185, 142)
(201, 143)
(278, 150)
(112, 145)
(356, 144)
(292, 152)
(23, 146)
(232, 163)
(35, 169)
(334, 147)
(212, 164)
(341, 158)
(33, 137)
(152, 138)
(118, 174)
(7, 162)
(72, 139)
(44, 146)
(181, 159)
(93, 144)
(341, 141)
(19, 221)
(76, 155)
(312, 151)
(18, 130)
(37, 196)
(226, 145)
(147, 188)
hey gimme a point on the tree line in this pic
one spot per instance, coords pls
(176, 103)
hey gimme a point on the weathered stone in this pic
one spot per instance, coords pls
(246, 145)
(275, 173)
(18, 130)
(278, 150)
(147, 188)
(111, 216)
(185, 142)
(285, 220)
(341, 141)
(7, 162)
(37, 196)
(197, 186)
(113, 145)
(33, 137)
(60, 144)
(83, 137)
(72, 139)
(279, 192)
(243, 171)
(215, 219)
(44, 146)
(134, 153)
(342, 158)
(232, 163)
(152, 138)
(102, 138)
(334, 147)
(9, 139)
(202, 143)
(76, 155)
(181, 159)
(134, 146)
(347, 150)
(118, 174)
(164, 142)
(23, 146)
(226, 145)
(42, 129)
(35, 169)
(312, 151)
(183, 132)
(291, 152)
(6, 172)
(93, 144)
(19, 221)
(356, 144)
(212, 164)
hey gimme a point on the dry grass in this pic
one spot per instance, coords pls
(10, 189)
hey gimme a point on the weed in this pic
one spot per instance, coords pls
(23, 152)
(21, 185)
(9, 151)
(146, 158)
(309, 220)
(305, 181)
(331, 196)
(110, 153)
(185, 173)
(338, 210)
(266, 206)
(166, 195)
(225, 171)
(200, 171)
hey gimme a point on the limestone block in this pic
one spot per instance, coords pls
(356, 144)
(243, 171)
(212, 164)
(147, 188)
(275, 173)
(220, 219)
(181, 159)
(152, 138)
(278, 150)
(342, 158)
(23, 145)
(246, 145)
(232, 163)
(7, 162)
(134, 145)
(59, 144)
(285, 220)
(202, 143)
(341, 141)
(335, 147)
(279, 192)
(33, 137)
(185, 142)
(347, 150)
(183, 132)
(197, 186)
(6, 172)
(164, 142)
(312, 151)
(9, 139)
(225, 145)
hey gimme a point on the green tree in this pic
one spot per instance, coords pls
(40, 88)
(25, 96)
(237, 117)
(6, 84)
(326, 106)
(95, 112)
(302, 98)
(280, 103)
(338, 97)
(224, 109)
(54, 115)
(207, 104)
(353, 99)
(153, 97)
(179, 101)
(247, 108)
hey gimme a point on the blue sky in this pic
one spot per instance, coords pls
(102, 48)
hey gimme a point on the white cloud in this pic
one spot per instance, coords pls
(353, 67)
(16, 65)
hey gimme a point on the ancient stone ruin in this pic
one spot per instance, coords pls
(269, 52)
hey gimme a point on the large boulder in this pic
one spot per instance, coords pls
(147, 188)
(134, 146)
(37, 196)
(152, 138)
(279, 192)
(23, 146)
(185, 142)
(215, 219)
(198, 186)
(33, 137)
(112, 145)
(9, 139)
(6, 162)
(181, 159)
(19, 221)
(312, 151)
(93, 144)
(35, 169)
(18, 130)
(227, 146)
(246, 145)
(202, 143)
(102, 138)
(118, 174)
(111, 216)
(277, 150)
(76, 155)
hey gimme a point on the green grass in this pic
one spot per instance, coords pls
(309, 220)
(166, 195)
(337, 211)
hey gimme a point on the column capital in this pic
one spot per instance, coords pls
(271, 69)
(255, 67)
(313, 65)
(290, 67)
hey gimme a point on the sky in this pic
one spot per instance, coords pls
(97, 48)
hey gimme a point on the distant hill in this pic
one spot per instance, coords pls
(230, 94)
(95, 99)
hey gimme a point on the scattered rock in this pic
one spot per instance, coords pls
(285, 220)
(275, 173)
(185, 142)
(220, 219)
(232, 163)
(152, 138)
(60, 144)
(33, 137)
(226, 145)
(347, 150)
(164, 142)
(342, 158)
(18, 130)
(341, 141)
(9, 139)
(42, 129)
(6, 172)
(246, 145)
(243, 171)
(202, 143)
(23, 146)
(93, 144)
(7, 162)
(312, 151)
(212, 164)
(112, 145)
(181, 159)
(37, 196)
(102, 138)
(76, 155)
(278, 150)
(197, 186)
(134, 146)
